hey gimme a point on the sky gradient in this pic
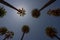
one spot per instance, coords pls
(14, 22)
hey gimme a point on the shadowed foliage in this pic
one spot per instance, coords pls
(9, 34)
(25, 29)
(2, 12)
(35, 13)
(51, 32)
(3, 30)
(55, 12)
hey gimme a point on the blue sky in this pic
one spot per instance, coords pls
(14, 22)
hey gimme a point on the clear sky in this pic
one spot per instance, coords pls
(14, 22)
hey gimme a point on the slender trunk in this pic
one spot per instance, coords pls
(22, 36)
(7, 4)
(47, 4)
(57, 37)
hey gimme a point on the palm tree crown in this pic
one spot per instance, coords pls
(51, 32)
(3, 30)
(21, 12)
(25, 29)
(55, 12)
(35, 13)
(9, 34)
(2, 12)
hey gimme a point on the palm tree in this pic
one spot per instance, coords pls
(9, 34)
(25, 29)
(22, 12)
(36, 12)
(55, 12)
(2, 12)
(9, 5)
(3, 30)
(51, 32)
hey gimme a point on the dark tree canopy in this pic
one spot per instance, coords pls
(35, 13)
(25, 29)
(55, 12)
(3, 30)
(8, 34)
(50, 31)
(2, 12)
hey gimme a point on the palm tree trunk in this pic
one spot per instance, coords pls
(7, 4)
(47, 4)
(57, 37)
(22, 36)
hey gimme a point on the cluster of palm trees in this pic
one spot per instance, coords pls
(9, 34)
(35, 12)
(50, 31)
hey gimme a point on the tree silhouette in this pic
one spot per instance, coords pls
(51, 32)
(9, 34)
(25, 29)
(2, 12)
(3, 30)
(55, 12)
(11, 6)
(36, 12)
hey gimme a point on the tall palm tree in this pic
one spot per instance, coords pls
(55, 12)
(3, 30)
(9, 34)
(51, 32)
(25, 29)
(11, 6)
(36, 12)
(2, 12)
